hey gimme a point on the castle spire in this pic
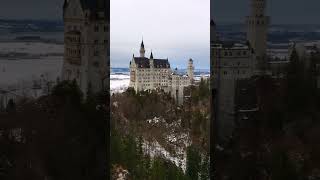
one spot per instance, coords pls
(142, 50)
(151, 55)
(142, 44)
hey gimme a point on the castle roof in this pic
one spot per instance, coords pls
(161, 63)
(143, 62)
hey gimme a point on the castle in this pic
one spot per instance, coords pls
(86, 39)
(151, 73)
(236, 67)
(233, 62)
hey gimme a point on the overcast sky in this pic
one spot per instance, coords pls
(281, 11)
(174, 29)
(177, 29)
(31, 9)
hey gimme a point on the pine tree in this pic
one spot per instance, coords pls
(204, 172)
(158, 170)
(193, 163)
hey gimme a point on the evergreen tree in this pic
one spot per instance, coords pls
(158, 170)
(130, 154)
(295, 78)
(193, 163)
(204, 172)
(69, 91)
(282, 168)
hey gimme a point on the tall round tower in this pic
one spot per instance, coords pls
(190, 70)
(257, 27)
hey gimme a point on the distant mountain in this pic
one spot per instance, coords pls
(277, 33)
(16, 26)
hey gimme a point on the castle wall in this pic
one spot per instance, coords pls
(229, 65)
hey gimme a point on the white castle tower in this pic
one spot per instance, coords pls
(190, 70)
(257, 24)
(86, 39)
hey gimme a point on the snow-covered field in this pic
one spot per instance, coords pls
(22, 70)
(15, 72)
(27, 67)
(119, 82)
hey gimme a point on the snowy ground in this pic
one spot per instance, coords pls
(119, 82)
(17, 69)
(175, 137)
(26, 69)
(18, 72)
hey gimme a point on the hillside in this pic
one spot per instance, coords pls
(161, 128)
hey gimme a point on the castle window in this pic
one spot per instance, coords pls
(96, 28)
(96, 53)
(96, 41)
(68, 74)
(96, 64)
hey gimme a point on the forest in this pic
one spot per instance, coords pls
(281, 141)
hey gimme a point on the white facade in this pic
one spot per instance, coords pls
(86, 55)
(151, 73)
